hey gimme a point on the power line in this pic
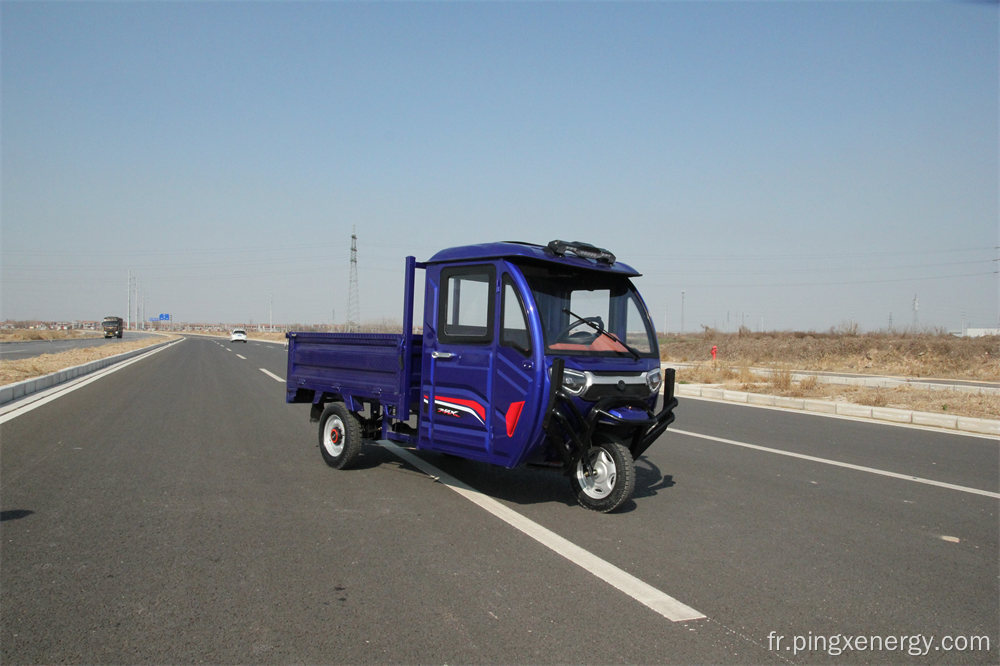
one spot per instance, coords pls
(830, 283)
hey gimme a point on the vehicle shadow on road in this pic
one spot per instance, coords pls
(372, 455)
(521, 485)
(649, 480)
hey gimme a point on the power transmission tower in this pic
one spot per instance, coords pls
(353, 300)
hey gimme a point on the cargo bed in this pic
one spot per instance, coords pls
(354, 366)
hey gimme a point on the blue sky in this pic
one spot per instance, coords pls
(786, 165)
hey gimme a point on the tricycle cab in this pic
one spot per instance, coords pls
(503, 323)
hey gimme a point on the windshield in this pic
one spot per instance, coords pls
(586, 312)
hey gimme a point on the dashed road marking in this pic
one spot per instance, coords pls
(271, 375)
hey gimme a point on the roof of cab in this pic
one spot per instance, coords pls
(553, 253)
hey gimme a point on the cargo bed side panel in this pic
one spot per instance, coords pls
(360, 365)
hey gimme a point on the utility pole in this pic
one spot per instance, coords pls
(682, 311)
(128, 310)
(353, 306)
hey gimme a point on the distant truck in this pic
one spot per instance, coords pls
(529, 354)
(113, 327)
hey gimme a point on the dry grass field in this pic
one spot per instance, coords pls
(903, 355)
(28, 368)
(27, 335)
(898, 355)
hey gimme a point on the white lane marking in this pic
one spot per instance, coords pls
(837, 463)
(37, 400)
(227, 349)
(241, 356)
(644, 593)
(271, 375)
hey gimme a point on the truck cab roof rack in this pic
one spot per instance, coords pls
(583, 250)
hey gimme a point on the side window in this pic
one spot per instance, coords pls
(465, 311)
(514, 332)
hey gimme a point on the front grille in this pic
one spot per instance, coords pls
(617, 385)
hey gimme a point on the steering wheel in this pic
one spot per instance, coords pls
(582, 337)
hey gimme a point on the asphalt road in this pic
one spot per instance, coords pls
(12, 351)
(178, 511)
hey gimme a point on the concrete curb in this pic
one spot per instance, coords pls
(12, 392)
(905, 416)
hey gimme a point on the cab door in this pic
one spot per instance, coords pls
(519, 383)
(459, 340)
(482, 365)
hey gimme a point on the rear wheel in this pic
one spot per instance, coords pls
(611, 480)
(339, 436)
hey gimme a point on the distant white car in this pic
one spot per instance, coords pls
(238, 335)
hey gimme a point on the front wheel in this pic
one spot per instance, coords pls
(611, 480)
(339, 436)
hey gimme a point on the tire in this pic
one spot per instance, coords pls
(613, 481)
(339, 436)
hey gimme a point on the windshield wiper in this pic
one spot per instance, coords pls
(603, 331)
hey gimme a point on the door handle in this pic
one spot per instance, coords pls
(441, 354)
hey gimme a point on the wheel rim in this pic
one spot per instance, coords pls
(599, 484)
(333, 436)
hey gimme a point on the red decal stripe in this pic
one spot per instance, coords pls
(513, 414)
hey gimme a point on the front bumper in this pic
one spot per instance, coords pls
(573, 433)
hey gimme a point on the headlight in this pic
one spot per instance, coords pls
(574, 381)
(654, 379)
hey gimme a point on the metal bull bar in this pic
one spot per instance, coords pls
(573, 432)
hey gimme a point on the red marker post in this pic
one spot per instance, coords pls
(715, 350)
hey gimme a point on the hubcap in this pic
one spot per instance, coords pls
(599, 484)
(333, 436)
